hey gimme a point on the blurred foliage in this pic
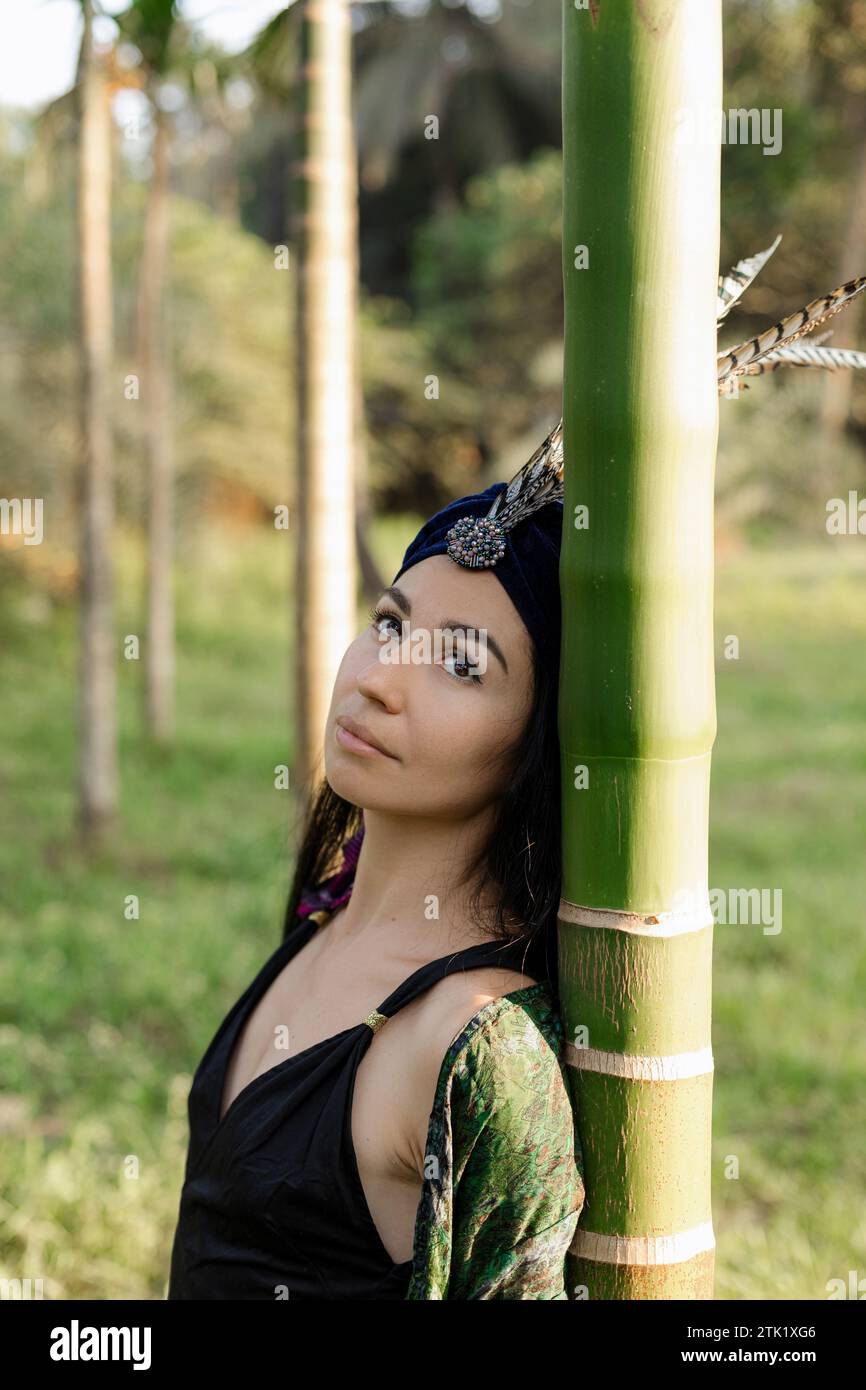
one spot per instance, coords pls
(488, 287)
(230, 315)
(461, 358)
(228, 332)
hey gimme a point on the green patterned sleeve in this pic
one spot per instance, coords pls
(517, 1188)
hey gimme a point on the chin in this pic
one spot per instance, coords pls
(360, 785)
(350, 779)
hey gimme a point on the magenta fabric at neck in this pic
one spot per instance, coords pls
(337, 891)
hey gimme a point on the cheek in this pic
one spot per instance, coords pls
(464, 748)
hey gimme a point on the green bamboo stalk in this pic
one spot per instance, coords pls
(637, 700)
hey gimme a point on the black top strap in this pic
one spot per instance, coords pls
(509, 955)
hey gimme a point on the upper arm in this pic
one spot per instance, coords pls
(442, 1014)
(518, 1188)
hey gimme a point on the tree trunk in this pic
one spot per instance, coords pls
(97, 772)
(637, 700)
(838, 385)
(372, 582)
(326, 237)
(156, 399)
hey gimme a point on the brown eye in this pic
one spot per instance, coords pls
(462, 665)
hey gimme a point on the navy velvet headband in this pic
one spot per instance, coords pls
(528, 571)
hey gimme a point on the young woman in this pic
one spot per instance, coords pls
(384, 1113)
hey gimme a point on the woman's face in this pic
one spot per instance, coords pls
(447, 716)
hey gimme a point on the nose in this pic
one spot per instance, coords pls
(385, 681)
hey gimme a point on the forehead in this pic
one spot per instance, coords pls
(440, 590)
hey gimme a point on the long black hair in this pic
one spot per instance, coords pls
(521, 862)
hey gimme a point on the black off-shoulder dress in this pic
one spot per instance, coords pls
(272, 1204)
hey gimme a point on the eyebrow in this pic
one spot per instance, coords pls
(403, 603)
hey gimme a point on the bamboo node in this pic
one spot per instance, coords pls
(637, 923)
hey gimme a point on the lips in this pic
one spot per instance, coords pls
(360, 731)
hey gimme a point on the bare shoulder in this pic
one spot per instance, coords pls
(447, 1007)
(466, 991)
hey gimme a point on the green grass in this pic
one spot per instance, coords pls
(788, 805)
(104, 1018)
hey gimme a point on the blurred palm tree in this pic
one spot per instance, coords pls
(97, 767)
(492, 88)
(838, 36)
(311, 41)
(150, 25)
(274, 59)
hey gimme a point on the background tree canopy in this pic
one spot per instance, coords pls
(459, 250)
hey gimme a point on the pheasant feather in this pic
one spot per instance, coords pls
(808, 355)
(479, 542)
(538, 482)
(787, 331)
(734, 285)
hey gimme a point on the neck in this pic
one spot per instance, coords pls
(406, 880)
